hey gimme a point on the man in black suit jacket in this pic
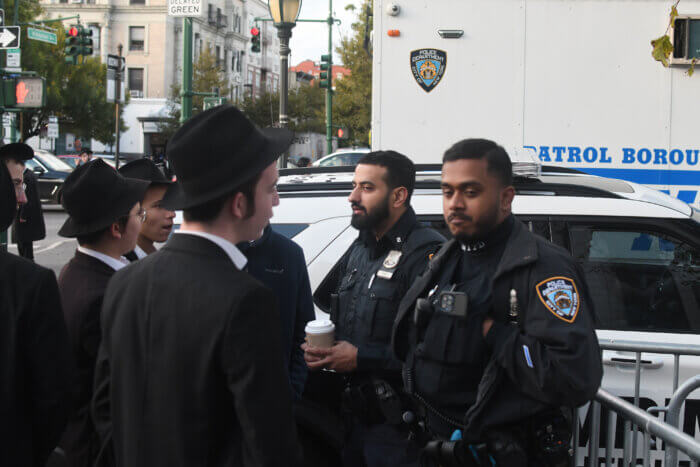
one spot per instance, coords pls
(190, 370)
(104, 214)
(35, 360)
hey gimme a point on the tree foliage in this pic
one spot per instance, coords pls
(305, 107)
(352, 106)
(206, 75)
(76, 94)
(662, 48)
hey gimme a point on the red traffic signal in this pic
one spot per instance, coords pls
(73, 31)
(254, 31)
(343, 133)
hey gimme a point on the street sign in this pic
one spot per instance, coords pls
(111, 87)
(9, 37)
(13, 58)
(185, 7)
(52, 130)
(41, 35)
(115, 62)
(30, 92)
(210, 102)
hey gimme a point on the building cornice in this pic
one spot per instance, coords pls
(74, 8)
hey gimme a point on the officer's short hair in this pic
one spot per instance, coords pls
(497, 160)
(400, 170)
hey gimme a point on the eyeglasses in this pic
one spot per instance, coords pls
(19, 186)
(141, 215)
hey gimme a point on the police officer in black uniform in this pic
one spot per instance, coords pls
(497, 335)
(378, 268)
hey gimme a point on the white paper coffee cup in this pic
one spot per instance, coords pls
(320, 333)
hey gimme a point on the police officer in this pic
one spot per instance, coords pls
(498, 333)
(389, 253)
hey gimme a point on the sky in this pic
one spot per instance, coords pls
(310, 40)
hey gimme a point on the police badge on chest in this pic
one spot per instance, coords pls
(389, 265)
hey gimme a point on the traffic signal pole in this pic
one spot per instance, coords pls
(329, 89)
(186, 94)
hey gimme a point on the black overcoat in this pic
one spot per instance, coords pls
(35, 363)
(29, 223)
(82, 283)
(190, 370)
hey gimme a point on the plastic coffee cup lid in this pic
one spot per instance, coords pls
(319, 326)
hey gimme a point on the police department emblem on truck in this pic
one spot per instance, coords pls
(428, 67)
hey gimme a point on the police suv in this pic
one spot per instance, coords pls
(639, 248)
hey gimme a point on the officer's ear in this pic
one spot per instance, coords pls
(507, 195)
(399, 195)
(239, 205)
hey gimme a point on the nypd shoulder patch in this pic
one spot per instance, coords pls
(560, 296)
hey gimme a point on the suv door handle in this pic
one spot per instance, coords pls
(617, 360)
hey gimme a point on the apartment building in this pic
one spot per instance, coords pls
(152, 43)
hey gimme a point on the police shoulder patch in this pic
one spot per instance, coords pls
(560, 296)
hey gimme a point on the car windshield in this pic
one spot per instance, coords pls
(53, 162)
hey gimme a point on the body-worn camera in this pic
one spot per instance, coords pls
(453, 303)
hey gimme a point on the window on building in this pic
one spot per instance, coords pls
(137, 37)
(224, 61)
(136, 82)
(197, 43)
(137, 2)
(218, 56)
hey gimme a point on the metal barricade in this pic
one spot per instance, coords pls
(635, 417)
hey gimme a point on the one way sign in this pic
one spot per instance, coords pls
(9, 37)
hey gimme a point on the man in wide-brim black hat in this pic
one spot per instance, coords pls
(35, 360)
(187, 330)
(104, 214)
(158, 224)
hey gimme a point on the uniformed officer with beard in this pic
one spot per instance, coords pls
(391, 250)
(498, 333)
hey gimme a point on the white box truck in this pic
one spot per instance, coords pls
(572, 79)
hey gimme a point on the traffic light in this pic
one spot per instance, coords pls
(343, 132)
(72, 46)
(85, 40)
(254, 39)
(326, 72)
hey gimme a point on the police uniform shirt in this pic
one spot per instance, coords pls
(368, 302)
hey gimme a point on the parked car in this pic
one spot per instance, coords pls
(51, 172)
(343, 157)
(70, 159)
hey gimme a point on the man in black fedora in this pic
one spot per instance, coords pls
(35, 359)
(159, 220)
(105, 216)
(195, 338)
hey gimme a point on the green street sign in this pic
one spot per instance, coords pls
(41, 35)
(210, 102)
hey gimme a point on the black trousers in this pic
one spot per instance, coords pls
(26, 250)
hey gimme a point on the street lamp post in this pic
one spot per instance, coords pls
(284, 16)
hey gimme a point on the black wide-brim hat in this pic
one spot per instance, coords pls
(217, 151)
(144, 169)
(18, 151)
(8, 198)
(95, 195)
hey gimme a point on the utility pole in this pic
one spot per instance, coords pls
(329, 90)
(186, 93)
(118, 96)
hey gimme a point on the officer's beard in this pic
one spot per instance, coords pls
(371, 219)
(482, 227)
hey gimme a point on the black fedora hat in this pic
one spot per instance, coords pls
(216, 151)
(19, 151)
(8, 198)
(144, 169)
(95, 195)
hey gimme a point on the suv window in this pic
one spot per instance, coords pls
(639, 279)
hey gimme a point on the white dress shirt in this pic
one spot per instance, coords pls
(113, 263)
(140, 254)
(239, 260)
